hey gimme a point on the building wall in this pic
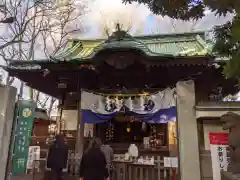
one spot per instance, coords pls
(204, 128)
(70, 121)
(7, 105)
(201, 93)
(206, 165)
(210, 126)
(172, 139)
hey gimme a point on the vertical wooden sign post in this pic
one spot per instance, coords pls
(26, 113)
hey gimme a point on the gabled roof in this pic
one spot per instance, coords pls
(169, 45)
(185, 48)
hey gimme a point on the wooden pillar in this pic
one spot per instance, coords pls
(58, 119)
(187, 131)
(79, 146)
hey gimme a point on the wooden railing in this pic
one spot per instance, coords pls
(128, 171)
(131, 171)
(73, 163)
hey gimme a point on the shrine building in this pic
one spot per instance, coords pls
(135, 72)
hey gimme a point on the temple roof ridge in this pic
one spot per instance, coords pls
(156, 45)
(157, 35)
(179, 44)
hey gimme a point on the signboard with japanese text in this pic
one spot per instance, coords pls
(33, 156)
(23, 131)
(218, 148)
(170, 162)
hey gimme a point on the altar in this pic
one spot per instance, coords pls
(123, 119)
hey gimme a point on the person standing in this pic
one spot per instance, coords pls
(93, 163)
(58, 156)
(109, 155)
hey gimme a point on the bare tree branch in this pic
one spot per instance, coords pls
(46, 24)
(25, 12)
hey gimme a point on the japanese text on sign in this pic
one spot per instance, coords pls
(218, 147)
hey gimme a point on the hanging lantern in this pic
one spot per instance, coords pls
(132, 118)
(128, 129)
(144, 126)
(52, 128)
(109, 132)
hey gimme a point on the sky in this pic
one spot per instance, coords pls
(135, 17)
(140, 16)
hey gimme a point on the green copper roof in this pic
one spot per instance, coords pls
(172, 45)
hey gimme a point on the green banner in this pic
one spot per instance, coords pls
(23, 131)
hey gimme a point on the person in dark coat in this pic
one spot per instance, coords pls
(57, 157)
(93, 164)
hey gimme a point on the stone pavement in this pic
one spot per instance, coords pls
(38, 177)
(28, 177)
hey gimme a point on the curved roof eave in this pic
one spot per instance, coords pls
(126, 45)
(69, 51)
(122, 45)
(82, 51)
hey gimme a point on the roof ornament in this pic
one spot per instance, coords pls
(119, 34)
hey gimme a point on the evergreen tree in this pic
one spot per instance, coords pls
(227, 36)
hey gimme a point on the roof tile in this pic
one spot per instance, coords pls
(175, 45)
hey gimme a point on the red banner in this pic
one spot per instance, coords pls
(218, 138)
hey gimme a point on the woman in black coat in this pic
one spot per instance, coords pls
(57, 157)
(93, 164)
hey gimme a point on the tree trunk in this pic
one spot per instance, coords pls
(37, 96)
(9, 80)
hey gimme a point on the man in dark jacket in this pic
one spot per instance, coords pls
(57, 157)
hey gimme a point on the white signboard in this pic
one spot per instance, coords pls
(88, 130)
(218, 148)
(167, 161)
(33, 155)
(170, 162)
(174, 162)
